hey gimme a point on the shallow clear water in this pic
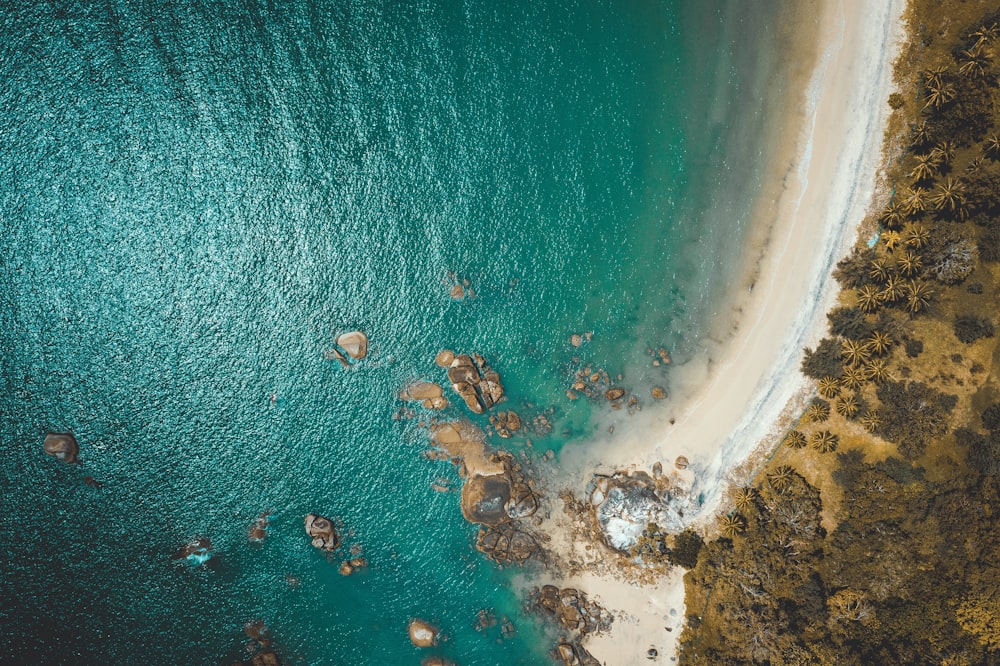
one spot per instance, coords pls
(197, 197)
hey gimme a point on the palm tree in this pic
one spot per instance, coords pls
(909, 264)
(992, 147)
(854, 377)
(847, 406)
(974, 165)
(824, 441)
(918, 296)
(985, 33)
(745, 499)
(781, 477)
(892, 217)
(891, 240)
(871, 421)
(950, 196)
(829, 387)
(796, 439)
(974, 62)
(854, 352)
(944, 152)
(932, 76)
(879, 270)
(818, 411)
(731, 525)
(914, 201)
(922, 134)
(939, 95)
(879, 342)
(877, 370)
(893, 290)
(917, 237)
(869, 298)
(926, 168)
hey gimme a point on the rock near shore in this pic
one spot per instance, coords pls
(422, 633)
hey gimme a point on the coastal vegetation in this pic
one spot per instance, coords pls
(871, 535)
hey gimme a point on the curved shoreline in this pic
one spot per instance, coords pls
(820, 185)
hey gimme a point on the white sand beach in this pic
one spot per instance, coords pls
(822, 183)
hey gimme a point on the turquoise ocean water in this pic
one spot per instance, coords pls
(196, 197)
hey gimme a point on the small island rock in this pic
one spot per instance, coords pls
(423, 633)
(62, 445)
(355, 343)
(324, 534)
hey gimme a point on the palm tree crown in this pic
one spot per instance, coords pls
(879, 342)
(914, 201)
(824, 441)
(918, 296)
(926, 167)
(917, 237)
(869, 298)
(909, 264)
(796, 439)
(829, 387)
(949, 196)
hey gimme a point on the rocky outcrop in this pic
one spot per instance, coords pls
(625, 503)
(62, 445)
(323, 533)
(355, 343)
(571, 609)
(436, 661)
(574, 654)
(422, 633)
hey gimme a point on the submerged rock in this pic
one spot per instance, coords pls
(196, 552)
(355, 343)
(258, 531)
(324, 534)
(62, 445)
(423, 633)
(658, 392)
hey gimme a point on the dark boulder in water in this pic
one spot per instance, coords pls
(62, 445)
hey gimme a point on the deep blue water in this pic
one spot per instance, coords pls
(196, 197)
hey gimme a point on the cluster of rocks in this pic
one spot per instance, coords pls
(461, 288)
(347, 567)
(62, 445)
(505, 423)
(625, 503)
(472, 379)
(506, 543)
(577, 340)
(260, 639)
(354, 344)
(486, 619)
(660, 356)
(571, 609)
(597, 384)
(323, 533)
